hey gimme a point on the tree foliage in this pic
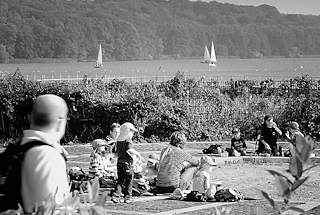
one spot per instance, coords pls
(150, 29)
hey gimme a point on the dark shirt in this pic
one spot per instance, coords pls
(269, 135)
(121, 149)
(238, 144)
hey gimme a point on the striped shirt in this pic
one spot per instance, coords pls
(171, 165)
(96, 167)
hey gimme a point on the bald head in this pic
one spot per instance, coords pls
(47, 110)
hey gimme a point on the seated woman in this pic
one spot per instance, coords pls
(172, 172)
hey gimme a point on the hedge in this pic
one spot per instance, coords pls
(204, 109)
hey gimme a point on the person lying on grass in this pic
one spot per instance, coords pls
(173, 172)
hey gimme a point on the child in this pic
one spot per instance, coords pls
(150, 171)
(238, 144)
(201, 179)
(125, 153)
(293, 134)
(97, 160)
(111, 160)
(111, 139)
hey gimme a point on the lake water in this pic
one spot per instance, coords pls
(259, 69)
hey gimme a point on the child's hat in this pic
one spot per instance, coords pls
(98, 142)
(128, 126)
(207, 160)
(293, 125)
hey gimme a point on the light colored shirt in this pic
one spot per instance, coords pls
(201, 181)
(97, 162)
(43, 171)
(171, 165)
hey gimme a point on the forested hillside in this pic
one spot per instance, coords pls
(150, 29)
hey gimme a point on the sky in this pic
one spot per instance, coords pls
(284, 6)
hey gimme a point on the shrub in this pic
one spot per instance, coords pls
(204, 109)
(288, 184)
(94, 205)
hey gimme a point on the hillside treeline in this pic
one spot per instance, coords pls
(203, 109)
(150, 29)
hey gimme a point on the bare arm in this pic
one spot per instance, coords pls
(132, 151)
(193, 161)
(206, 182)
(274, 125)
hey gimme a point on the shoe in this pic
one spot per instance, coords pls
(128, 200)
(147, 194)
(115, 199)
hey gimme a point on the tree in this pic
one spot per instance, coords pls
(8, 36)
(4, 55)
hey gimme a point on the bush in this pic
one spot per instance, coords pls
(202, 108)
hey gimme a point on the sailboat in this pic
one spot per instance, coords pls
(206, 56)
(99, 60)
(213, 59)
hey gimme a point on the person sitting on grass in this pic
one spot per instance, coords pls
(172, 171)
(125, 152)
(292, 135)
(268, 137)
(97, 159)
(201, 179)
(238, 144)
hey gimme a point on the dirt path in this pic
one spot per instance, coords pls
(247, 178)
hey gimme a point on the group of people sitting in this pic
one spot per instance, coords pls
(174, 169)
(43, 167)
(115, 157)
(267, 139)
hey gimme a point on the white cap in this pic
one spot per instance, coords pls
(207, 160)
(129, 125)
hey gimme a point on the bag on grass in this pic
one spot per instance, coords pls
(228, 195)
(78, 179)
(213, 149)
(10, 174)
(195, 196)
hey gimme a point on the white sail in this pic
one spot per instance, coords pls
(213, 58)
(206, 56)
(99, 60)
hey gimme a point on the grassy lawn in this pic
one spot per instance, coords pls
(247, 178)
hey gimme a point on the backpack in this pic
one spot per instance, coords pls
(213, 149)
(10, 174)
(195, 196)
(228, 195)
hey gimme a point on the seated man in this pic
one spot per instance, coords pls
(268, 137)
